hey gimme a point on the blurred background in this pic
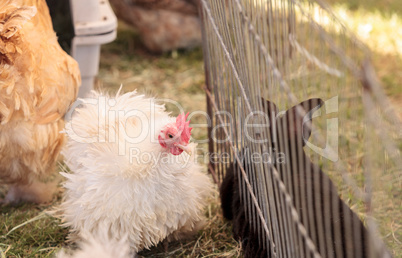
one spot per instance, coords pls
(158, 52)
(164, 36)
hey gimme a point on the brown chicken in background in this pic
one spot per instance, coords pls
(163, 25)
(38, 82)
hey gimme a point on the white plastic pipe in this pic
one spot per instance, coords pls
(94, 24)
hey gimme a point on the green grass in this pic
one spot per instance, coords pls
(179, 75)
(40, 238)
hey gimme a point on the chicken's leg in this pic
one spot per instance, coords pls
(37, 192)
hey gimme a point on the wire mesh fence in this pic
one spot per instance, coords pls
(309, 145)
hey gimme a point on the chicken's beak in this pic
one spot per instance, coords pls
(186, 148)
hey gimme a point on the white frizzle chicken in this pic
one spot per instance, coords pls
(129, 174)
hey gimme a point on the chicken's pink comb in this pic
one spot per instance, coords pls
(184, 127)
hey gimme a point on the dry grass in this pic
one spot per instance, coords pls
(215, 240)
(179, 76)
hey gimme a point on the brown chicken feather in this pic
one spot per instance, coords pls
(38, 82)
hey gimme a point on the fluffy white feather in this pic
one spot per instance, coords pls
(114, 185)
(100, 246)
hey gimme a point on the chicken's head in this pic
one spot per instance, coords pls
(176, 136)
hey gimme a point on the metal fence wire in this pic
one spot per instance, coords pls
(305, 136)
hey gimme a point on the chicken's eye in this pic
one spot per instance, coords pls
(170, 136)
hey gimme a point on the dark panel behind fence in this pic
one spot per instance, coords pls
(309, 132)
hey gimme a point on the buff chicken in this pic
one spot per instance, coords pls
(38, 82)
